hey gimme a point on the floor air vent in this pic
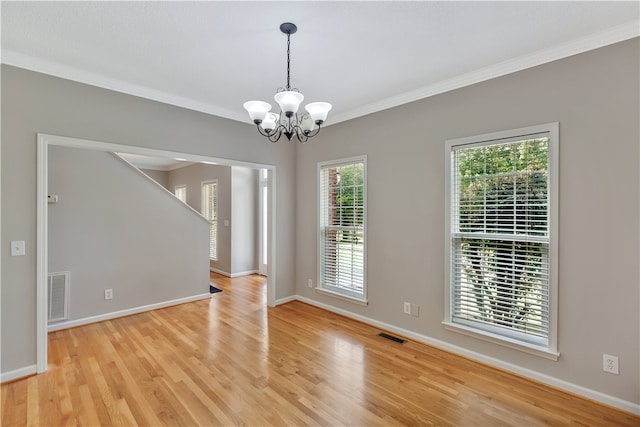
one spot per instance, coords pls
(392, 338)
(58, 296)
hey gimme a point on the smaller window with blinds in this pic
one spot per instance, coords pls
(210, 212)
(342, 228)
(181, 192)
(501, 216)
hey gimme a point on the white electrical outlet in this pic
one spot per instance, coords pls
(610, 364)
(310, 283)
(108, 294)
(407, 307)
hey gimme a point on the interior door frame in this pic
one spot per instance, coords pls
(43, 143)
(263, 182)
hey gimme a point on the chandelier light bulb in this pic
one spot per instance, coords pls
(257, 110)
(307, 124)
(289, 102)
(318, 111)
(269, 122)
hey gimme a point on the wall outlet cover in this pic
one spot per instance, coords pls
(610, 364)
(18, 248)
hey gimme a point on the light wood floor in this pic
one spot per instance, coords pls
(229, 360)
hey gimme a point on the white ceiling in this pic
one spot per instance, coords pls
(360, 56)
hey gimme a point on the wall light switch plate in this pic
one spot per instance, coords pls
(17, 248)
(415, 310)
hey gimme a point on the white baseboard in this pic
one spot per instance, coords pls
(597, 396)
(286, 300)
(537, 376)
(113, 315)
(17, 373)
(224, 273)
(242, 273)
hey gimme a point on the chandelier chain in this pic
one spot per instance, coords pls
(288, 61)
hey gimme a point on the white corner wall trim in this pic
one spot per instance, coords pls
(607, 37)
(122, 313)
(17, 373)
(478, 357)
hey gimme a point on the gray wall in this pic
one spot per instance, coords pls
(33, 102)
(161, 177)
(244, 214)
(595, 98)
(192, 176)
(113, 228)
(237, 203)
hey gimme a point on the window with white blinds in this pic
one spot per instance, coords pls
(181, 192)
(210, 212)
(342, 235)
(501, 274)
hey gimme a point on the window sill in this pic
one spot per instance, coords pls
(344, 297)
(503, 341)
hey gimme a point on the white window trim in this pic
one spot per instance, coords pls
(202, 184)
(549, 351)
(178, 187)
(356, 299)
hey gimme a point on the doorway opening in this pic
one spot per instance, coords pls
(44, 141)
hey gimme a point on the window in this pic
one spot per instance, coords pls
(181, 192)
(342, 228)
(210, 212)
(501, 267)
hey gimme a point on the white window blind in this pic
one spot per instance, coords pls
(500, 237)
(181, 192)
(210, 212)
(342, 219)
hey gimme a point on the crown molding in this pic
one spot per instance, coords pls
(55, 69)
(603, 38)
(607, 37)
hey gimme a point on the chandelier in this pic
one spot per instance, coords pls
(288, 122)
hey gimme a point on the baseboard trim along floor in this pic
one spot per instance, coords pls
(478, 357)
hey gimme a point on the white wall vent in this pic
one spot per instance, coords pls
(58, 296)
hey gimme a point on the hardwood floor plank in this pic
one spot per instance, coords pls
(230, 360)
(98, 408)
(32, 404)
(87, 414)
